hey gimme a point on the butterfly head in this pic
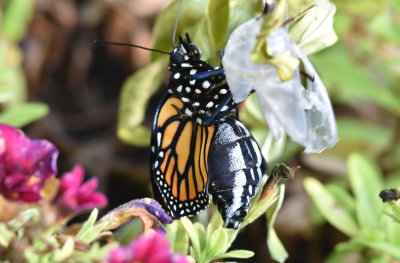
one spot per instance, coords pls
(185, 52)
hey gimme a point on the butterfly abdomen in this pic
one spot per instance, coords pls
(235, 167)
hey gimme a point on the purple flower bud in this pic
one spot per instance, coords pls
(153, 208)
(148, 210)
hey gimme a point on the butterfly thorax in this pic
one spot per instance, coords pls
(200, 95)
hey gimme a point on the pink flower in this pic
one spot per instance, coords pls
(25, 165)
(147, 248)
(75, 196)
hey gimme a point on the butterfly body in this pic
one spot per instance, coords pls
(236, 167)
(188, 121)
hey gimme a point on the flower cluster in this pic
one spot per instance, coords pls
(27, 165)
(147, 248)
(75, 196)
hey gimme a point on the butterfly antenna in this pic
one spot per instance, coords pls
(176, 23)
(103, 42)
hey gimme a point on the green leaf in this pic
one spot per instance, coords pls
(273, 210)
(392, 230)
(355, 84)
(260, 188)
(15, 19)
(135, 94)
(330, 208)
(259, 208)
(191, 14)
(29, 215)
(314, 31)
(20, 115)
(95, 254)
(275, 247)
(178, 237)
(192, 20)
(359, 130)
(129, 231)
(89, 223)
(6, 235)
(384, 247)
(30, 256)
(187, 224)
(217, 17)
(349, 246)
(343, 198)
(65, 252)
(91, 231)
(239, 253)
(218, 243)
(12, 86)
(241, 11)
(215, 223)
(377, 259)
(365, 182)
(385, 25)
(201, 233)
(96, 232)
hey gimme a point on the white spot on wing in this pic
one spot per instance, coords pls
(188, 112)
(158, 139)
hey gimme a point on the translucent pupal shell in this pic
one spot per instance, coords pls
(304, 112)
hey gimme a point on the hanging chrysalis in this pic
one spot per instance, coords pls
(294, 99)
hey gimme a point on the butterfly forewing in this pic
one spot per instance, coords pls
(180, 149)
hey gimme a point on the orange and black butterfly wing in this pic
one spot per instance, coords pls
(179, 159)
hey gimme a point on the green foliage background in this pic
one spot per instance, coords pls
(361, 72)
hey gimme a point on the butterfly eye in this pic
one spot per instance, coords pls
(176, 58)
(195, 51)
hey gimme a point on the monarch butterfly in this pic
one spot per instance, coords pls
(198, 144)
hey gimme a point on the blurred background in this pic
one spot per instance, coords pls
(47, 56)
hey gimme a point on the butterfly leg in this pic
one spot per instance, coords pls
(218, 110)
